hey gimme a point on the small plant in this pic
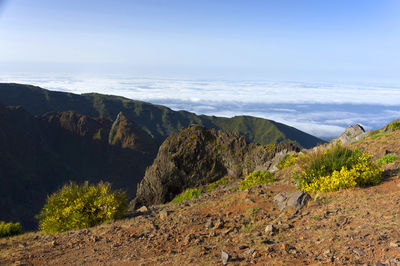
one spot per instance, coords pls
(221, 182)
(252, 211)
(10, 229)
(256, 178)
(188, 194)
(268, 149)
(389, 158)
(377, 135)
(247, 228)
(395, 125)
(288, 160)
(336, 168)
(316, 217)
(79, 206)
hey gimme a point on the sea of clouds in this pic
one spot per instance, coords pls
(322, 109)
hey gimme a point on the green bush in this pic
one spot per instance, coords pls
(79, 206)
(10, 229)
(336, 168)
(377, 135)
(256, 178)
(188, 194)
(389, 158)
(395, 125)
(221, 182)
(288, 160)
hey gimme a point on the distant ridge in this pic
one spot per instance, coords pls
(157, 121)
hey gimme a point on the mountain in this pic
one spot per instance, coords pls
(48, 138)
(157, 121)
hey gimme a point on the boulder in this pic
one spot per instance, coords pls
(294, 200)
(351, 134)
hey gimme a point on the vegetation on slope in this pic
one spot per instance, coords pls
(336, 168)
(256, 178)
(10, 229)
(79, 206)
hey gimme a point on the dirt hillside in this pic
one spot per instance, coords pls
(353, 226)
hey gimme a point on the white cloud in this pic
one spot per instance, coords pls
(322, 109)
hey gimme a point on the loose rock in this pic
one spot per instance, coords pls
(163, 215)
(294, 200)
(270, 229)
(225, 257)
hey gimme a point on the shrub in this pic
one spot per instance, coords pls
(389, 158)
(395, 125)
(221, 182)
(377, 135)
(268, 149)
(336, 168)
(10, 229)
(256, 178)
(288, 160)
(79, 206)
(188, 194)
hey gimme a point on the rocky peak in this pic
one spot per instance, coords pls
(197, 156)
(126, 134)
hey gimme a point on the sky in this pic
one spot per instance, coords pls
(317, 65)
(291, 40)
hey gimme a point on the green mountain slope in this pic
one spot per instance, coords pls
(157, 121)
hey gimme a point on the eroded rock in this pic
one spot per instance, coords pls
(295, 200)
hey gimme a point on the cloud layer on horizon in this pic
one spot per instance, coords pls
(321, 109)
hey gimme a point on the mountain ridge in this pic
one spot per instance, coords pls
(156, 120)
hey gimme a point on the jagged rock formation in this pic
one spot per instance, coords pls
(351, 134)
(197, 156)
(128, 135)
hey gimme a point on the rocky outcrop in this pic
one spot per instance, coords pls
(198, 156)
(128, 135)
(351, 134)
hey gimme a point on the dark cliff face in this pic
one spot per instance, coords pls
(198, 156)
(40, 154)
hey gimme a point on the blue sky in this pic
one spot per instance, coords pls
(290, 40)
(318, 65)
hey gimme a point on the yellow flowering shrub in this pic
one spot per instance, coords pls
(289, 160)
(79, 206)
(352, 168)
(256, 178)
(10, 229)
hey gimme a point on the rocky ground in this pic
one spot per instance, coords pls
(354, 226)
